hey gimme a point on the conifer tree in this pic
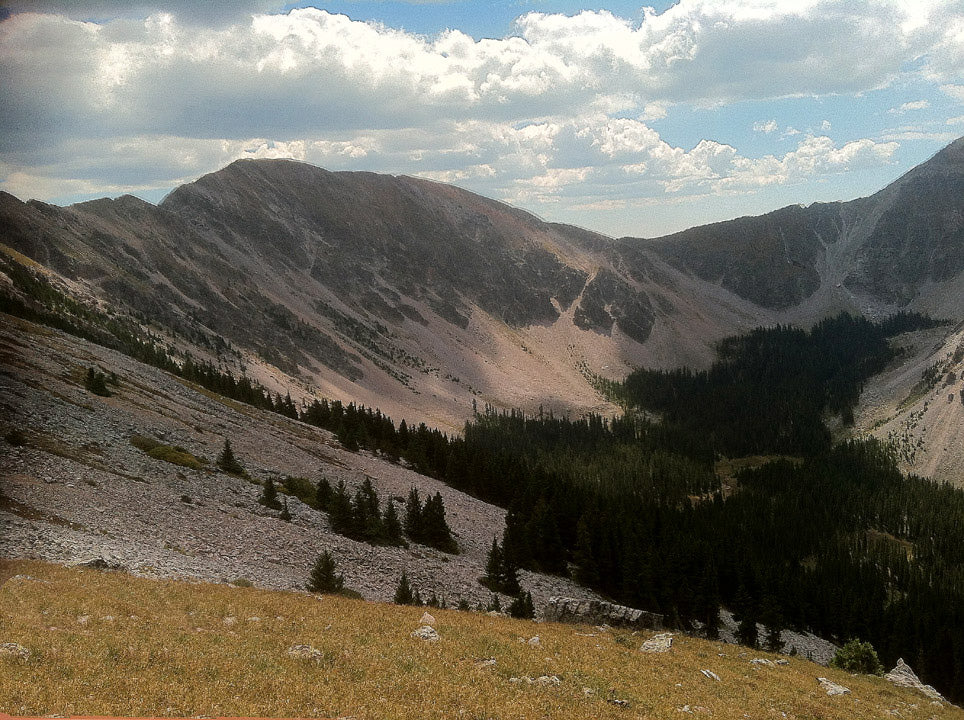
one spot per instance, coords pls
(285, 513)
(269, 495)
(323, 494)
(522, 606)
(340, 510)
(392, 525)
(227, 461)
(324, 577)
(403, 592)
(413, 515)
(96, 382)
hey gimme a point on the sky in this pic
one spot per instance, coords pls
(611, 115)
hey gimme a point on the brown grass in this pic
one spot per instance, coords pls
(165, 648)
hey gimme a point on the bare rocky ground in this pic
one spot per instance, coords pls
(923, 422)
(75, 489)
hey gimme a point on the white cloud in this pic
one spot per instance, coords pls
(910, 107)
(770, 126)
(954, 91)
(959, 120)
(560, 109)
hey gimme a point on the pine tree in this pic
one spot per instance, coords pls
(96, 383)
(285, 513)
(324, 577)
(522, 606)
(269, 495)
(585, 572)
(403, 592)
(323, 493)
(413, 516)
(340, 510)
(227, 461)
(392, 525)
(493, 567)
(435, 530)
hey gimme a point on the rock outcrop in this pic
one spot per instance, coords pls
(598, 612)
(903, 676)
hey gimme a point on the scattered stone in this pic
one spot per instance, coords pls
(426, 632)
(617, 702)
(304, 652)
(783, 661)
(588, 692)
(535, 641)
(711, 675)
(427, 619)
(229, 620)
(83, 619)
(485, 662)
(548, 680)
(903, 676)
(762, 661)
(254, 619)
(102, 564)
(14, 650)
(659, 643)
(833, 688)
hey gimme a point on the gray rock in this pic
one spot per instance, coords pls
(598, 612)
(903, 676)
(426, 632)
(711, 675)
(659, 643)
(833, 688)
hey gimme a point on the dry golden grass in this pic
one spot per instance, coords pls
(107, 643)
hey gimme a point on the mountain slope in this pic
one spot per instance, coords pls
(901, 247)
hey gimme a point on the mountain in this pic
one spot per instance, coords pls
(427, 300)
(903, 247)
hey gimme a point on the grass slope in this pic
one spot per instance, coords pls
(107, 643)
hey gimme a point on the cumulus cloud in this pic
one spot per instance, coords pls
(565, 106)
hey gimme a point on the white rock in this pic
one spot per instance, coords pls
(711, 675)
(659, 643)
(761, 661)
(535, 641)
(427, 619)
(548, 680)
(833, 688)
(426, 632)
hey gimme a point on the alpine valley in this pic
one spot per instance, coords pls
(357, 341)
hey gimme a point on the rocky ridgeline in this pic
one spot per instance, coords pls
(599, 612)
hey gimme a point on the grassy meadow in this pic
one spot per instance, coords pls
(106, 643)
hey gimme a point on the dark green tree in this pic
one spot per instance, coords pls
(858, 657)
(413, 516)
(324, 577)
(227, 461)
(269, 495)
(323, 494)
(340, 510)
(285, 512)
(96, 383)
(392, 525)
(403, 591)
(522, 607)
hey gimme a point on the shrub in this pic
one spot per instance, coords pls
(143, 443)
(176, 456)
(96, 382)
(303, 489)
(858, 657)
(269, 496)
(403, 592)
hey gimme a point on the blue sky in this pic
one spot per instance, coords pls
(626, 119)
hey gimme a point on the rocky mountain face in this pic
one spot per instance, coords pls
(424, 299)
(900, 248)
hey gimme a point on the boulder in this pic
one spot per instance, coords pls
(903, 676)
(427, 633)
(659, 643)
(833, 688)
(427, 619)
(598, 612)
